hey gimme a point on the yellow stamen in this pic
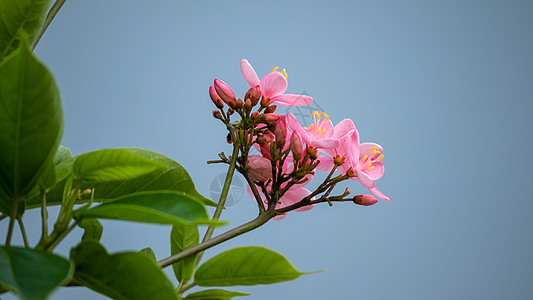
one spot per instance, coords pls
(370, 168)
(311, 127)
(364, 158)
(380, 158)
(283, 72)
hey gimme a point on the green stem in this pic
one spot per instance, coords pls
(58, 237)
(223, 196)
(51, 14)
(24, 236)
(14, 210)
(255, 223)
(44, 213)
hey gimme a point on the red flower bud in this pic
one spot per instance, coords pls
(271, 109)
(280, 131)
(239, 104)
(296, 146)
(255, 94)
(255, 115)
(259, 168)
(215, 98)
(224, 91)
(248, 105)
(217, 114)
(365, 200)
(313, 153)
(265, 102)
(271, 118)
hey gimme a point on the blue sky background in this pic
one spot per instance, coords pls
(446, 87)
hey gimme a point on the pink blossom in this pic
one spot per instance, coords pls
(365, 160)
(365, 200)
(273, 86)
(348, 137)
(318, 135)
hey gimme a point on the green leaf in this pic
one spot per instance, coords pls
(112, 165)
(160, 207)
(183, 237)
(246, 266)
(31, 122)
(126, 275)
(62, 154)
(27, 15)
(93, 229)
(32, 274)
(174, 178)
(215, 294)
(148, 252)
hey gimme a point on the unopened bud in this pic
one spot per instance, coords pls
(271, 118)
(229, 139)
(280, 131)
(255, 95)
(338, 160)
(231, 111)
(261, 140)
(259, 168)
(255, 115)
(239, 104)
(215, 98)
(365, 200)
(296, 146)
(217, 114)
(271, 109)
(248, 105)
(265, 102)
(224, 91)
(313, 153)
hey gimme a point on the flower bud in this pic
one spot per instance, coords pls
(259, 168)
(215, 98)
(217, 114)
(280, 131)
(229, 139)
(365, 200)
(239, 103)
(338, 160)
(231, 110)
(271, 109)
(265, 102)
(224, 91)
(248, 105)
(313, 153)
(296, 146)
(255, 115)
(255, 95)
(271, 118)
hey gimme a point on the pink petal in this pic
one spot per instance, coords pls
(364, 179)
(326, 163)
(326, 143)
(273, 84)
(344, 127)
(377, 172)
(364, 148)
(379, 194)
(293, 125)
(328, 128)
(294, 196)
(290, 100)
(249, 73)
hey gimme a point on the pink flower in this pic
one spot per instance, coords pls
(318, 135)
(366, 162)
(348, 137)
(273, 86)
(224, 91)
(365, 200)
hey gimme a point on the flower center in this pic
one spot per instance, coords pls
(283, 72)
(316, 128)
(368, 161)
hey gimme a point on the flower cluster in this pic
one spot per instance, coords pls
(290, 151)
